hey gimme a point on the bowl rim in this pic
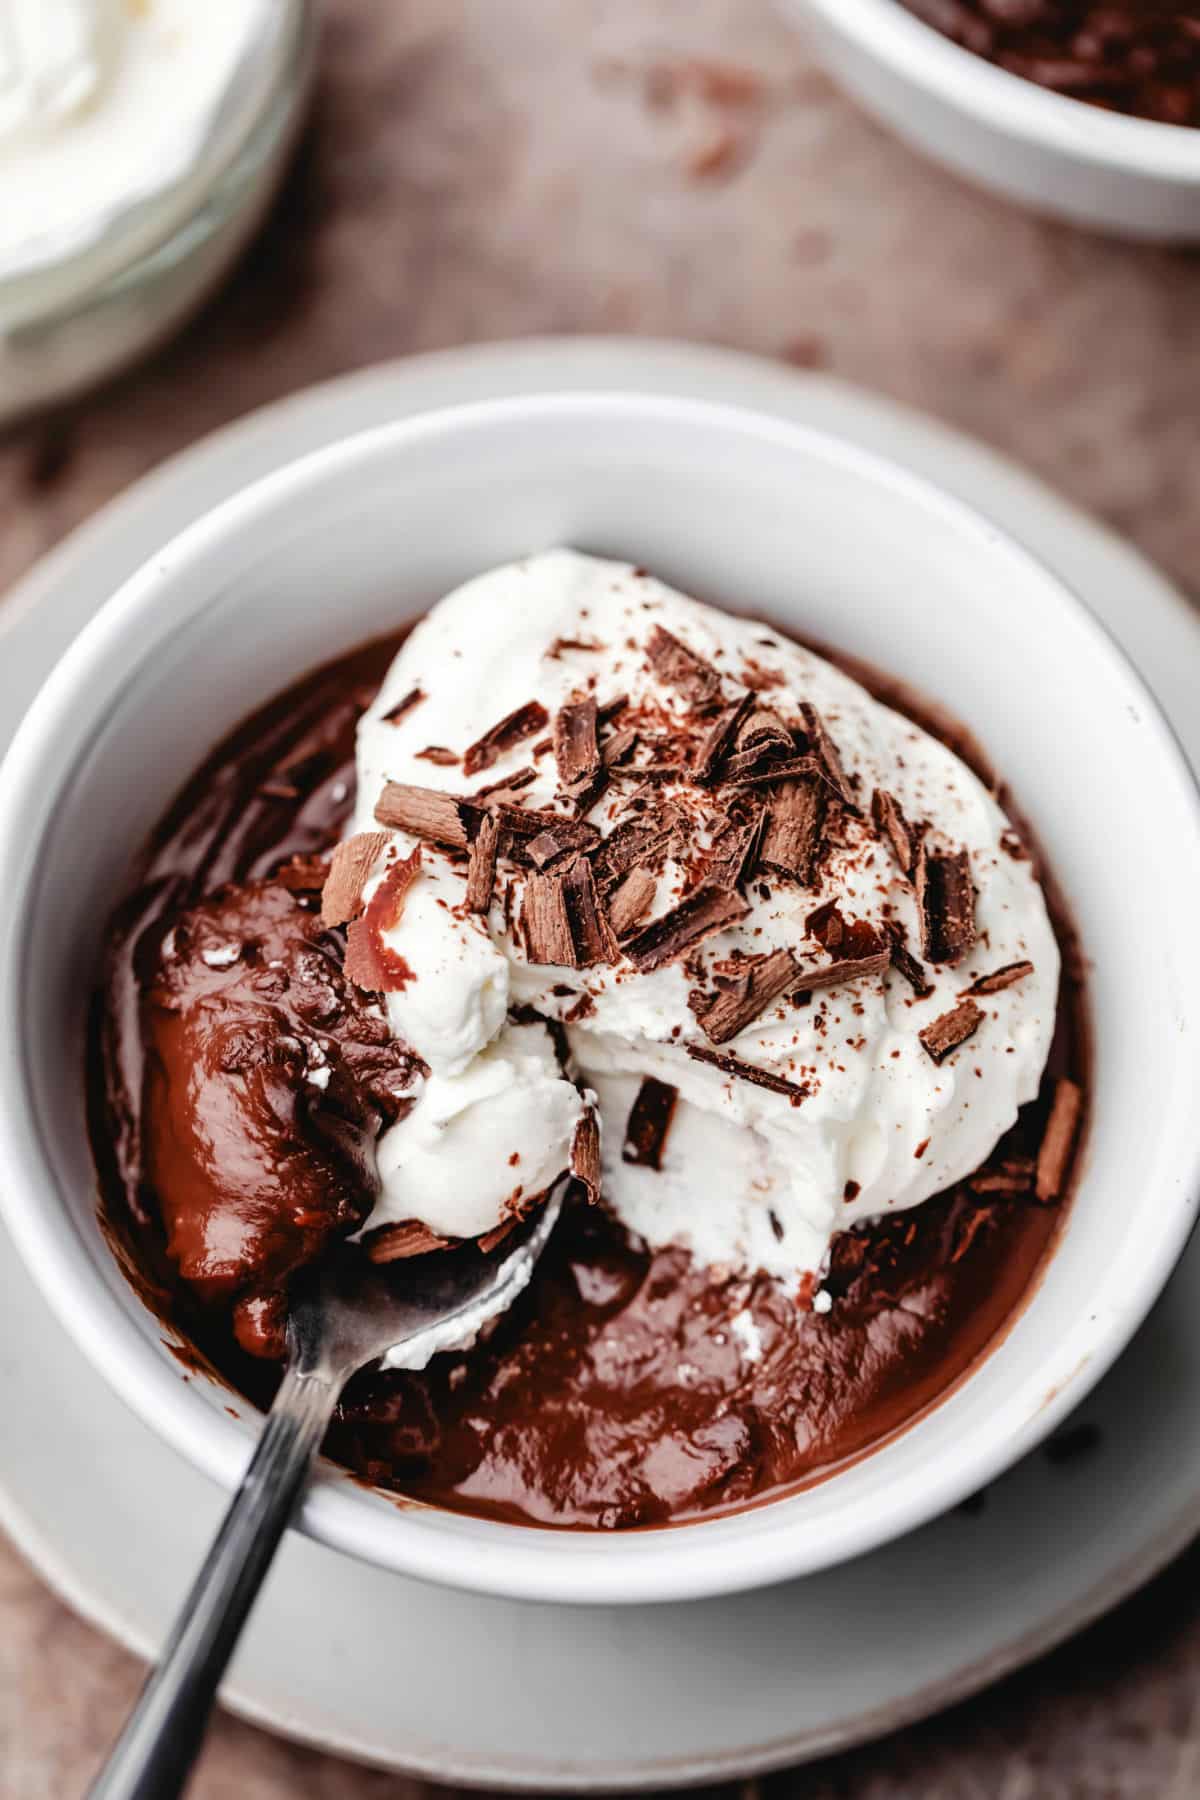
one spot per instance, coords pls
(885, 31)
(491, 1558)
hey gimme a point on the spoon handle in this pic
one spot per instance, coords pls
(153, 1756)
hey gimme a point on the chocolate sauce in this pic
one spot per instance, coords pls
(1140, 57)
(615, 1393)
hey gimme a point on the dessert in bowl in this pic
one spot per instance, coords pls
(600, 854)
(1087, 112)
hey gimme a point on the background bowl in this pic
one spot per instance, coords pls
(773, 519)
(1134, 177)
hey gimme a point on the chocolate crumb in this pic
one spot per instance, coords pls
(511, 784)
(649, 1121)
(852, 1190)
(437, 753)
(796, 1091)
(952, 1029)
(351, 864)
(1000, 979)
(1054, 1156)
(505, 735)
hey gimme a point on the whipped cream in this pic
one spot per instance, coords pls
(102, 104)
(748, 1179)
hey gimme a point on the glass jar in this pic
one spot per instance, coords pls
(74, 311)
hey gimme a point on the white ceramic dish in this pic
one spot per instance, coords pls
(1133, 177)
(810, 531)
(758, 1680)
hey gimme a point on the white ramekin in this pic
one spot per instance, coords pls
(773, 518)
(1134, 177)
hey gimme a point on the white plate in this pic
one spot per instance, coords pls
(485, 1691)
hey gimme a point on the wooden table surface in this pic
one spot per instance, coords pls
(479, 170)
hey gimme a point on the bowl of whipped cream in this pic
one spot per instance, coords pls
(140, 144)
(642, 798)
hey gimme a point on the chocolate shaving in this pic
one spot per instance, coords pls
(511, 784)
(796, 1091)
(550, 847)
(741, 998)
(525, 827)
(827, 754)
(492, 1239)
(737, 849)
(636, 843)
(682, 669)
(504, 736)
(402, 706)
(1015, 1175)
(437, 753)
(764, 735)
(349, 867)
(792, 839)
(619, 747)
(396, 1243)
(585, 1153)
(427, 813)
(951, 1030)
(1001, 978)
(481, 866)
(591, 935)
(946, 904)
(702, 913)
(891, 824)
(854, 945)
(302, 875)
(649, 1122)
(564, 643)
(370, 963)
(749, 770)
(717, 739)
(906, 963)
(545, 923)
(630, 900)
(576, 750)
(1054, 1156)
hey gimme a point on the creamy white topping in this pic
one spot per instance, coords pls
(748, 1179)
(102, 104)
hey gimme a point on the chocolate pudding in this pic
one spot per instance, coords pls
(1141, 57)
(252, 1101)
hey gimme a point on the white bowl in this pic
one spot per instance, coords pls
(1134, 177)
(815, 535)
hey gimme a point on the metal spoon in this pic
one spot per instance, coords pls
(341, 1318)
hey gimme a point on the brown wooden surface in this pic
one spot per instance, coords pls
(494, 168)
